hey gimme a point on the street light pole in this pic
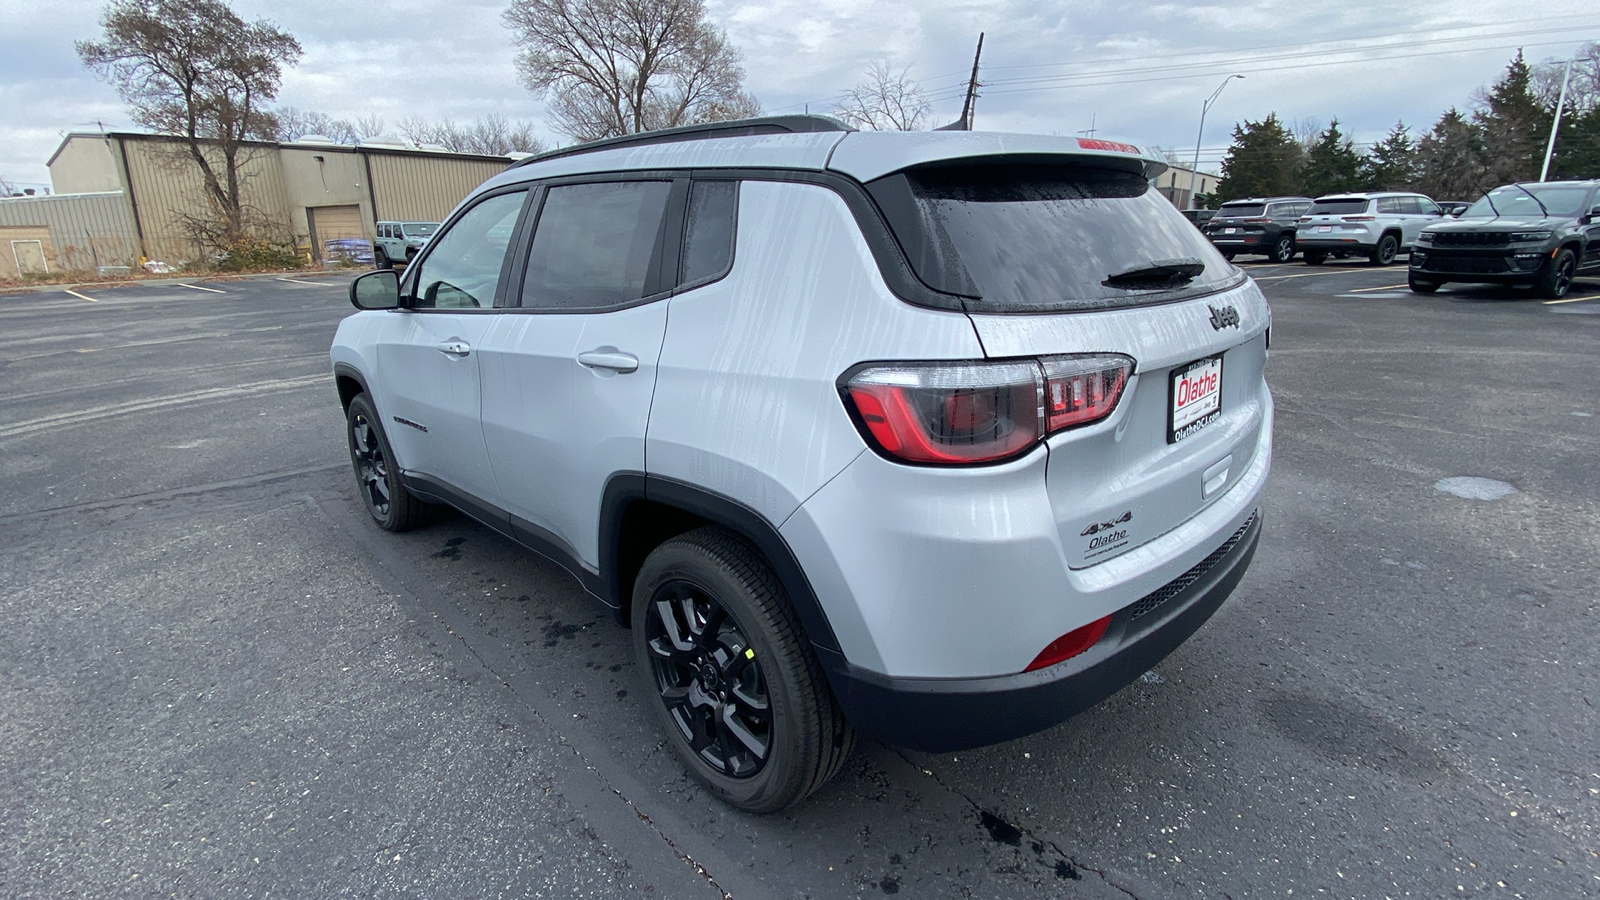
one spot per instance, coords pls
(1204, 107)
(1550, 148)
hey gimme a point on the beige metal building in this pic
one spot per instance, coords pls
(311, 192)
(1174, 184)
(72, 232)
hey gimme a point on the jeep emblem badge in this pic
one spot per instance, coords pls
(1223, 317)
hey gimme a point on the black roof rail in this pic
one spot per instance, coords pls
(736, 128)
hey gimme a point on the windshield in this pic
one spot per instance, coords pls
(1343, 206)
(1560, 200)
(1040, 237)
(1242, 209)
(419, 229)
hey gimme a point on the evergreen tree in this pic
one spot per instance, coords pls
(1450, 159)
(1514, 125)
(1332, 165)
(1391, 165)
(1577, 145)
(1261, 161)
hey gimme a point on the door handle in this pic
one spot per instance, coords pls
(455, 348)
(615, 360)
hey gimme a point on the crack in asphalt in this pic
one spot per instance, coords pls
(982, 812)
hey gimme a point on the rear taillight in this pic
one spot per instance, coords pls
(1257, 221)
(1360, 219)
(980, 412)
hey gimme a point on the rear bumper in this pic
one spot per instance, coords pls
(941, 715)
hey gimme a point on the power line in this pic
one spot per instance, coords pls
(1234, 64)
(1542, 20)
(1229, 69)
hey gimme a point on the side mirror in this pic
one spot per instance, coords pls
(376, 290)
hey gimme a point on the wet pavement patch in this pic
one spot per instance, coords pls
(1352, 736)
(452, 549)
(1002, 831)
(1470, 487)
(890, 884)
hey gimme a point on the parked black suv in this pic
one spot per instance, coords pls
(1258, 226)
(1537, 234)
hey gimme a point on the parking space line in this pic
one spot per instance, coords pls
(306, 283)
(1309, 274)
(196, 287)
(1569, 300)
(1368, 290)
(80, 296)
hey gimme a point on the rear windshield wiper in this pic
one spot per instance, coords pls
(1162, 273)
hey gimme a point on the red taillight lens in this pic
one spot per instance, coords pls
(1082, 389)
(1070, 644)
(1360, 219)
(955, 413)
(1257, 221)
(962, 413)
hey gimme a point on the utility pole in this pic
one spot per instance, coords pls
(1091, 129)
(969, 106)
(1550, 148)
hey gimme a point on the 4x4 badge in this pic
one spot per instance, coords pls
(1223, 317)
(1097, 527)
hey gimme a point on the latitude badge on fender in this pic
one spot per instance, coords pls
(1223, 317)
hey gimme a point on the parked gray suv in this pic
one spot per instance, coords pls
(939, 438)
(1258, 225)
(1539, 235)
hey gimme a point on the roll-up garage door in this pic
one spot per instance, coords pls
(338, 234)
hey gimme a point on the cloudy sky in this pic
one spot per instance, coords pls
(1133, 72)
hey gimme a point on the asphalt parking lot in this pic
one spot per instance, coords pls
(220, 679)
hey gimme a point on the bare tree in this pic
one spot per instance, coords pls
(612, 67)
(294, 124)
(194, 69)
(492, 135)
(886, 101)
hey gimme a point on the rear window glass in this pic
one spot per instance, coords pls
(595, 245)
(1040, 238)
(1241, 209)
(1339, 207)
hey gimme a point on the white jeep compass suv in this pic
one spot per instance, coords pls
(938, 438)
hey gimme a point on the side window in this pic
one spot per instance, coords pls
(1412, 205)
(709, 230)
(1389, 205)
(596, 245)
(1302, 208)
(464, 267)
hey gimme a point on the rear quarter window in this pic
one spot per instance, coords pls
(1036, 238)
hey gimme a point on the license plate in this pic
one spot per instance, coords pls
(1230, 231)
(1196, 392)
(1324, 228)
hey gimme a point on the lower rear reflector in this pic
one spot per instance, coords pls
(1070, 644)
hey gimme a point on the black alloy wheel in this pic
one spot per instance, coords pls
(1283, 250)
(729, 674)
(1314, 257)
(1384, 253)
(380, 259)
(1556, 279)
(709, 678)
(376, 476)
